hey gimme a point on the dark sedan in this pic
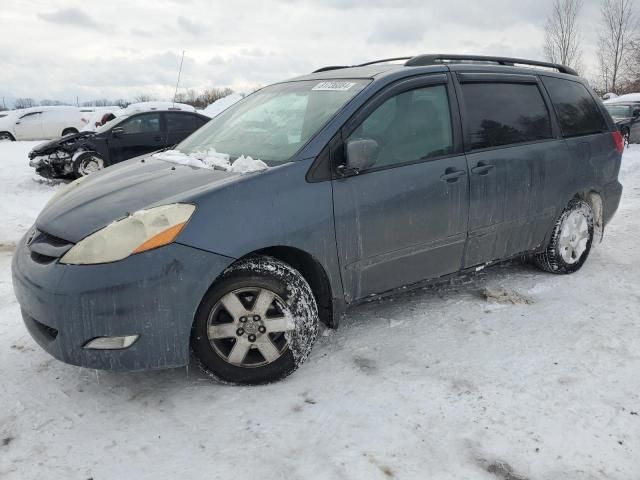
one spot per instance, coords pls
(125, 137)
(627, 118)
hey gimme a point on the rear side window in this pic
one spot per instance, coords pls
(577, 111)
(146, 123)
(181, 121)
(504, 114)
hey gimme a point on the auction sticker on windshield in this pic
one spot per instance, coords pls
(334, 86)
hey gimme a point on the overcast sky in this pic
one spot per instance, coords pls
(61, 49)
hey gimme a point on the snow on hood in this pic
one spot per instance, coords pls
(213, 160)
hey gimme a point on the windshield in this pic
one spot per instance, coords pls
(619, 111)
(275, 122)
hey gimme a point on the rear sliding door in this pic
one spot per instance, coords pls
(516, 160)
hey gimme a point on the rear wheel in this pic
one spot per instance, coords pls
(257, 324)
(6, 137)
(626, 136)
(87, 163)
(571, 240)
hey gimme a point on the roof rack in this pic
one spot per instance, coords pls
(337, 67)
(439, 59)
(423, 60)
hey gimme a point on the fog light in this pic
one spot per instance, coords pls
(111, 343)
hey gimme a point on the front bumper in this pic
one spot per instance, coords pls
(154, 294)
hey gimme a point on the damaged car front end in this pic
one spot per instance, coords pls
(67, 157)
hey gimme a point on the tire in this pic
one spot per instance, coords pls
(69, 131)
(6, 137)
(571, 240)
(241, 337)
(626, 137)
(87, 163)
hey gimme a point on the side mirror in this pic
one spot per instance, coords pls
(636, 113)
(117, 132)
(361, 155)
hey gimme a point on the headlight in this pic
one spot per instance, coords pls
(139, 232)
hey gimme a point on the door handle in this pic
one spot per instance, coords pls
(451, 175)
(482, 169)
(157, 138)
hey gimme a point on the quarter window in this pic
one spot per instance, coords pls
(577, 111)
(410, 126)
(504, 114)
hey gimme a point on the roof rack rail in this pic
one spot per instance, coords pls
(337, 67)
(394, 59)
(423, 60)
(333, 67)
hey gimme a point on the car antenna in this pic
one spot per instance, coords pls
(178, 82)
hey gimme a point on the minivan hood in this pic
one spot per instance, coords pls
(109, 195)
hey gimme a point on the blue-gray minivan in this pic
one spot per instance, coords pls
(310, 196)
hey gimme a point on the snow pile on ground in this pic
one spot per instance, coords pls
(22, 193)
(221, 105)
(214, 160)
(432, 384)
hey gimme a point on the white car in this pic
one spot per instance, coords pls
(94, 115)
(41, 123)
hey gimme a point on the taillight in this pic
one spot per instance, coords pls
(619, 141)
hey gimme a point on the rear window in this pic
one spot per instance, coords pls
(577, 111)
(504, 114)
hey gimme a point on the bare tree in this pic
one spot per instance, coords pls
(24, 103)
(618, 35)
(49, 103)
(143, 98)
(562, 34)
(201, 100)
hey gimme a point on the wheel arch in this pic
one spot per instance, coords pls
(594, 199)
(312, 271)
(69, 130)
(13, 138)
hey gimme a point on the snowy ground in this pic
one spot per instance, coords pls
(435, 384)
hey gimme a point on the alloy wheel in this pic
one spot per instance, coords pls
(247, 327)
(574, 237)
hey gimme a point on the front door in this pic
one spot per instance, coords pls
(403, 219)
(138, 135)
(29, 127)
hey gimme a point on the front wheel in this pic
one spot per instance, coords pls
(256, 324)
(6, 137)
(87, 163)
(571, 240)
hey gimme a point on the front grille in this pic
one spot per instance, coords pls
(39, 258)
(45, 248)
